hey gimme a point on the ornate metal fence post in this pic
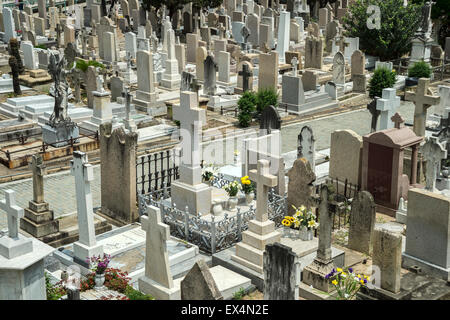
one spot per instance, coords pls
(239, 224)
(213, 235)
(186, 223)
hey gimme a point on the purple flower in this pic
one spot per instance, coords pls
(350, 270)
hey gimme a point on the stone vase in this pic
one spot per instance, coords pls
(290, 233)
(306, 234)
(217, 209)
(99, 281)
(249, 197)
(232, 203)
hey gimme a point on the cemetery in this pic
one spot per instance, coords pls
(224, 150)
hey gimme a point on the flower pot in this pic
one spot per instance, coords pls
(249, 197)
(232, 203)
(99, 281)
(217, 208)
(290, 233)
(306, 234)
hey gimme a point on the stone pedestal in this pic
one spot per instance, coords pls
(150, 287)
(196, 197)
(420, 50)
(57, 136)
(171, 79)
(250, 251)
(83, 252)
(39, 220)
(315, 273)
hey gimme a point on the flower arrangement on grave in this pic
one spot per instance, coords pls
(209, 172)
(232, 188)
(346, 282)
(301, 218)
(99, 263)
(247, 186)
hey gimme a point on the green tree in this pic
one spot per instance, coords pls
(382, 78)
(266, 97)
(246, 107)
(397, 27)
(420, 69)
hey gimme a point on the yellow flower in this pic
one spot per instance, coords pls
(338, 269)
(334, 282)
(362, 281)
(286, 222)
(311, 223)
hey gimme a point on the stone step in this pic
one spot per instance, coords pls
(247, 264)
(259, 242)
(249, 253)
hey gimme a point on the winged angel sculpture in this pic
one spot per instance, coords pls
(57, 69)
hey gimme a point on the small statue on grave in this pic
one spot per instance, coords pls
(15, 75)
(14, 51)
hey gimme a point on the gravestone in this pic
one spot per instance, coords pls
(261, 230)
(86, 246)
(358, 63)
(210, 68)
(281, 273)
(387, 256)
(268, 71)
(270, 119)
(433, 153)
(171, 78)
(313, 53)
(283, 34)
(362, 223)
(200, 63)
(339, 68)
(422, 102)
(224, 67)
(387, 106)
(306, 146)
(293, 95)
(199, 284)
(245, 76)
(300, 185)
(157, 280)
(145, 95)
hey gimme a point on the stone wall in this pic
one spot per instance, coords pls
(118, 173)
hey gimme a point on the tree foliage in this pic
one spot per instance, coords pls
(382, 78)
(174, 5)
(397, 27)
(266, 97)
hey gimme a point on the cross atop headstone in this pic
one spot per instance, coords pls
(388, 105)
(246, 74)
(13, 212)
(294, 63)
(397, 120)
(191, 119)
(157, 266)
(433, 153)
(39, 170)
(264, 180)
(422, 101)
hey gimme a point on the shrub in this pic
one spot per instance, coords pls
(114, 280)
(246, 107)
(382, 78)
(133, 294)
(420, 69)
(266, 97)
(83, 65)
(397, 27)
(54, 291)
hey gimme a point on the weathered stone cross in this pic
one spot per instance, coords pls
(422, 102)
(387, 105)
(157, 265)
(294, 63)
(191, 118)
(264, 181)
(84, 174)
(39, 170)
(433, 153)
(246, 74)
(13, 212)
(397, 120)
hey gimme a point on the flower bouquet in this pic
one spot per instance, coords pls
(346, 282)
(303, 220)
(208, 173)
(232, 189)
(99, 266)
(248, 187)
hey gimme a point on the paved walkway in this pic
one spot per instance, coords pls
(60, 187)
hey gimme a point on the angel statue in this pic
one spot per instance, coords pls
(57, 69)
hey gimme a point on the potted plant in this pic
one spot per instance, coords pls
(304, 221)
(346, 282)
(208, 174)
(248, 187)
(232, 189)
(420, 69)
(99, 265)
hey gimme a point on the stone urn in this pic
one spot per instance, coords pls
(99, 281)
(306, 234)
(217, 208)
(232, 203)
(249, 197)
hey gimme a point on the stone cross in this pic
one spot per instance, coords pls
(264, 180)
(433, 153)
(157, 266)
(422, 102)
(398, 121)
(191, 119)
(245, 73)
(39, 170)
(294, 63)
(13, 212)
(387, 105)
(84, 174)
